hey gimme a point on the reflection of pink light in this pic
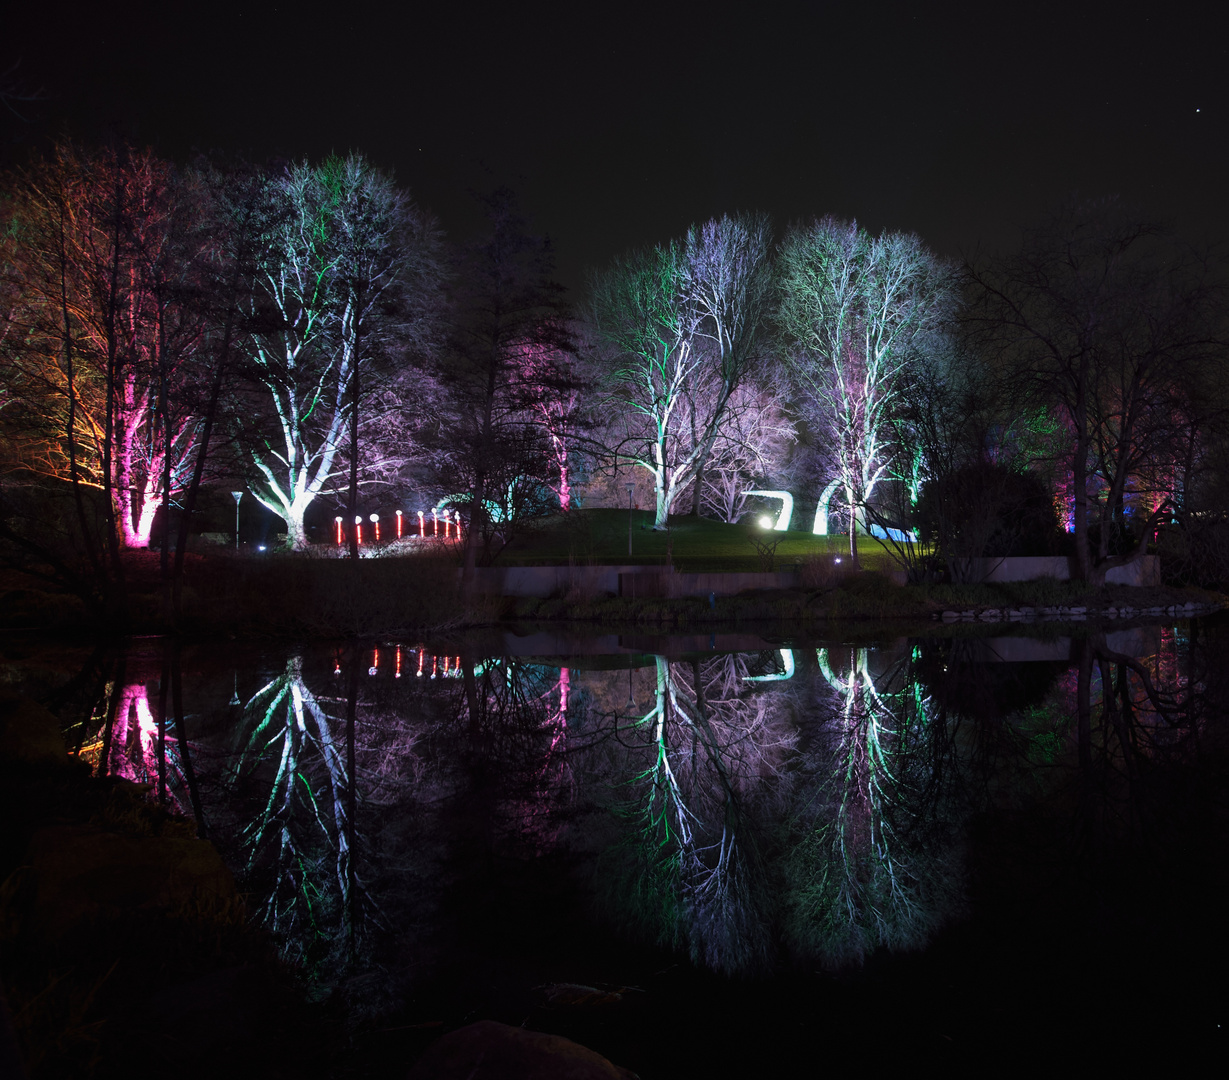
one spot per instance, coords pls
(422, 530)
(398, 524)
(135, 725)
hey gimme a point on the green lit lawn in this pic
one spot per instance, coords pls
(600, 536)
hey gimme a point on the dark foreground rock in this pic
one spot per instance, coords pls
(491, 1051)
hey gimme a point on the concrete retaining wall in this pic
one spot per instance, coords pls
(661, 583)
(1144, 571)
(632, 581)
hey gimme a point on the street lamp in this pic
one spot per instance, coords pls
(629, 520)
(237, 495)
(375, 521)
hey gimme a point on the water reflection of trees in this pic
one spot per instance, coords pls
(709, 778)
(873, 864)
(816, 800)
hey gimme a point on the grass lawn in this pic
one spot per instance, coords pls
(697, 545)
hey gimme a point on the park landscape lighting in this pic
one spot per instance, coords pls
(358, 529)
(375, 521)
(398, 524)
(237, 495)
(766, 522)
(422, 528)
(338, 520)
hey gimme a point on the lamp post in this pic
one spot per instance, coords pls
(629, 520)
(337, 520)
(237, 495)
(375, 522)
(358, 529)
(398, 524)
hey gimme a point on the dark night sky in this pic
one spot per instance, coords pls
(621, 124)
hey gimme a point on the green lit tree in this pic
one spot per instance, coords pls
(349, 270)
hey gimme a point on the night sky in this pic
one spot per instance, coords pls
(621, 124)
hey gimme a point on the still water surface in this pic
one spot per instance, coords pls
(944, 845)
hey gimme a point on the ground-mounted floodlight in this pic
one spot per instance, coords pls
(236, 495)
(787, 507)
(629, 519)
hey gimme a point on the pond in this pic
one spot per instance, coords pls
(713, 854)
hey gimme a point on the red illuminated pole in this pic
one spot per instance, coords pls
(422, 528)
(338, 520)
(358, 529)
(375, 520)
(435, 518)
(398, 524)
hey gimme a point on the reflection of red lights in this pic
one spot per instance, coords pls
(435, 660)
(420, 660)
(397, 671)
(436, 520)
(375, 663)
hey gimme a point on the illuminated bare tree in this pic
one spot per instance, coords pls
(684, 325)
(857, 309)
(340, 242)
(105, 328)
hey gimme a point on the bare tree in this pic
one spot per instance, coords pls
(684, 324)
(339, 242)
(1103, 319)
(857, 308)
